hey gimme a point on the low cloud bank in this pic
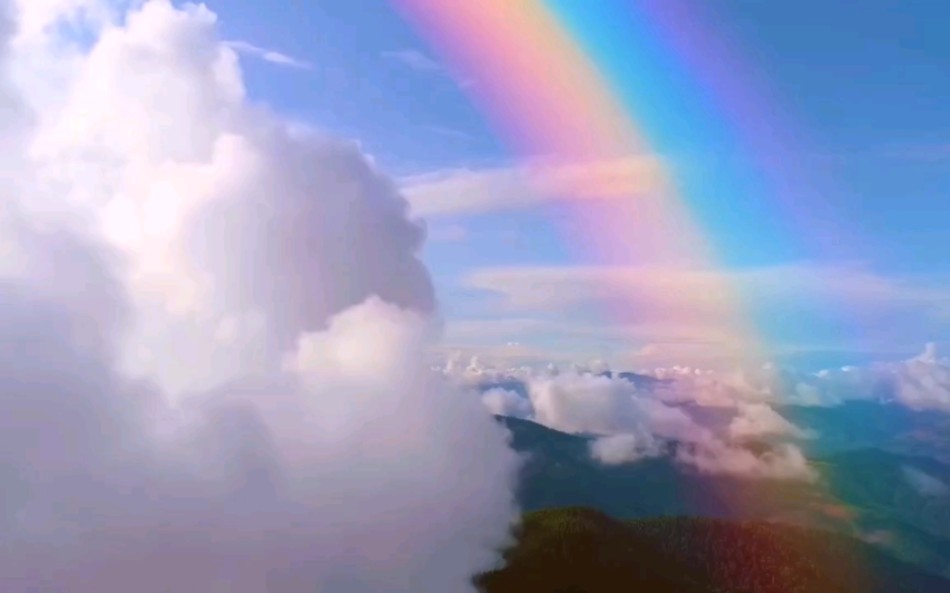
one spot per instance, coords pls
(919, 383)
(637, 416)
(630, 423)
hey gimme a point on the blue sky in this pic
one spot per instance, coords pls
(863, 92)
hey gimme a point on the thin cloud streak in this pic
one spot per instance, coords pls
(268, 55)
(478, 191)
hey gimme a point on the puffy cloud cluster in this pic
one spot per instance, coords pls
(624, 448)
(923, 383)
(920, 383)
(638, 416)
(157, 140)
(625, 409)
(785, 462)
(755, 421)
(630, 423)
(213, 334)
(505, 402)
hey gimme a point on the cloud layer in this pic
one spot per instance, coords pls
(716, 422)
(213, 334)
(672, 314)
(631, 423)
(460, 192)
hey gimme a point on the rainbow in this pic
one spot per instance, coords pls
(691, 169)
(644, 100)
(556, 93)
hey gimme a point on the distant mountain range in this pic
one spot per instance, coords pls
(862, 493)
(580, 550)
(874, 425)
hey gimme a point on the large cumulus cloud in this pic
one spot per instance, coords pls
(232, 224)
(213, 334)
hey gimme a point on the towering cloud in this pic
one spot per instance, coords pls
(212, 342)
(231, 225)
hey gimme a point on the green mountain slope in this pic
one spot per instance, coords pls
(863, 494)
(579, 550)
(559, 472)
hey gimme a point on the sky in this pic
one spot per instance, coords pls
(857, 94)
(231, 242)
(839, 259)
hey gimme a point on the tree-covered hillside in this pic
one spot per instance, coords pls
(578, 550)
(864, 494)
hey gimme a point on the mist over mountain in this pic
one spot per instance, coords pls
(866, 494)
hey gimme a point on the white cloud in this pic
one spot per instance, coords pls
(421, 62)
(919, 383)
(414, 59)
(678, 315)
(785, 462)
(157, 142)
(698, 293)
(623, 448)
(759, 420)
(458, 192)
(532, 287)
(213, 335)
(37, 18)
(923, 382)
(924, 483)
(504, 402)
(629, 425)
(583, 403)
(269, 55)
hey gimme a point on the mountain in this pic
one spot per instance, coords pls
(581, 550)
(902, 502)
(874, 425)
(559, 472)
(861, 493)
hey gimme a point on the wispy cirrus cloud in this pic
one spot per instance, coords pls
(421, 62)
(414, 59)
(269, 55)
(660, 315)
(555, 288)
(477, 191)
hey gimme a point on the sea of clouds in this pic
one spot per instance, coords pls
(637, 416)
